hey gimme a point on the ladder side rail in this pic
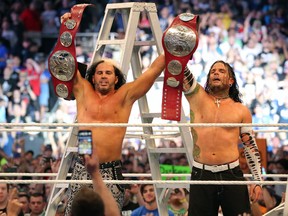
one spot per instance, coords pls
(142, 102)
(150, 143)
(157, 36)
(130, 38)
(104, 34)
(125, 17)
(156, 175)
(71, 142)
(136, 67)
(285, 211)
(65, 164)
(106, 25)
(186, 139)
(156, 29)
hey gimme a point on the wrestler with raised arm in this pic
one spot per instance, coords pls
(104, 97)
(215, 149)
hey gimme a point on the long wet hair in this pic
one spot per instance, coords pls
(234, 92)
(92, 69)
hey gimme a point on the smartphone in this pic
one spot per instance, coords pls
(85, 142)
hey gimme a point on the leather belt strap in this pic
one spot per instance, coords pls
(62, 61)
(179, 41)
(110, 164)
(216, 168)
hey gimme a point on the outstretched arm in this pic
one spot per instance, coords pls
(141, 85)
(189, 82)
(92, 165)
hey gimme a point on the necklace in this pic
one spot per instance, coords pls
(217, 101)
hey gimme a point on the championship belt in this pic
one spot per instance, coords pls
(62, 62)
(179, 41)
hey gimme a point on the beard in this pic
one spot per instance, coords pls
(216, 88)
(103, 91)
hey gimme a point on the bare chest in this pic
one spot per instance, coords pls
(219, 112)
(96, 110)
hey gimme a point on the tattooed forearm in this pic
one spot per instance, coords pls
(197, 88)
(196, 149)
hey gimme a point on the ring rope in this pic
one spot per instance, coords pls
(158, 182)
(163, 134)
(128, 175)
(141, 125)
(167, 183)
(159, 131)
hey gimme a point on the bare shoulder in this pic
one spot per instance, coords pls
(246, 114)
(124, 88)
(81, 87)
(129, 91)
(243, 107)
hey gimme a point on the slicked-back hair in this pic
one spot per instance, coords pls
(92, 69)
(87, 202)
(234, 92)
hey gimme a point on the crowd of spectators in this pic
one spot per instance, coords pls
(250, 35)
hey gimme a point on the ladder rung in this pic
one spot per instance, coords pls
(151, 115)
(63, 185)
(145, 43)
(111, 42)
(167, 150)
(125, 5)
(122, 41)
(72, 149)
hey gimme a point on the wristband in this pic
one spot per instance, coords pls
(179, 41)
(62, 63)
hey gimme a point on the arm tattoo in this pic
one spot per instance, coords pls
(196, 148)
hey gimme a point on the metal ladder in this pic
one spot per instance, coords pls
(130, 48)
